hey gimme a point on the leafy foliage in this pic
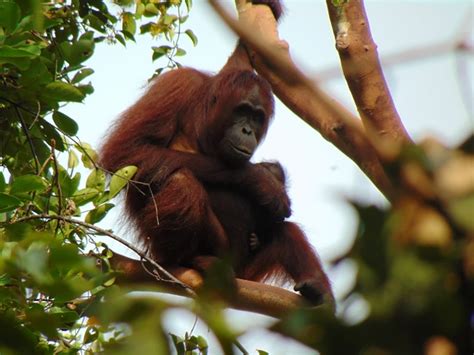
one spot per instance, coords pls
(415, 265)
(52, 271)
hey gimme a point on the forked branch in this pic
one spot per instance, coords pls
(258, 29)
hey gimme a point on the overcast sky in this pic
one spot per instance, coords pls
(427, 93)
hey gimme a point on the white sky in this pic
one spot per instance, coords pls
(426, 93)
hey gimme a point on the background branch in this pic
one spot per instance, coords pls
(404, 56)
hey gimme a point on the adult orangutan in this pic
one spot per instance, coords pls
(191, 137)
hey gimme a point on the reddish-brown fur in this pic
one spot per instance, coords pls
(207, 208)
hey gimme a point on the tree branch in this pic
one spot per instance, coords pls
(157, 273)
(251, 296)
(363, 72)
(406, 55)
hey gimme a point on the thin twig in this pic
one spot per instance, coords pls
(28, 137)
(465, 86)
(240, 347)
(56, 176)
(109, 234)
(38, 115)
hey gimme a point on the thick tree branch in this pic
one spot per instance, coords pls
(258, 29)
(251, 296)
(363, 72)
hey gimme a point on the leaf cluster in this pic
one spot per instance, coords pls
(53, 271)
(414, 287)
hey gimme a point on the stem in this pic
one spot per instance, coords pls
(109, 234)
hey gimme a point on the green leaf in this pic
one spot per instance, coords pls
(69, 184)
(19, 56)
(84, 196)
(48, 22)
(65, 123)
(25, 24)
(140, 10)
(41, 321)
(178, 344)
(61, 91)
(189, 4)
(28, 183)
(31, 51)
(159, 71)
(8, 202)
(35, 261)
(120, 38)
(66, 256)
(96, 23)
(146, 28)
(128, 23)
(461, 209)
(2, 36)
(5, 280)
(80, 51)
(86, 89)
(63, 316)
(65, 49)
(18, 231)
(36, 75)
(96, 180)
(73, 160)
(128, 35)
(124, 3)
(3, 183)
(104, 197)
(202, 343)
(89, 156)
(20, 63)
(180, 52)
(24, 340)
(192, 36)
(82, 74)
(151, 9)
(91, 334)
(169, 19)
(98, 213)
(9, 14)
(158, 52)
(156, 56)
(50, 133)
(120, 179)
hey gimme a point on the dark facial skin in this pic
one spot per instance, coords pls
(243, 135)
